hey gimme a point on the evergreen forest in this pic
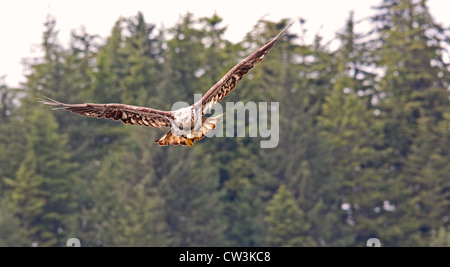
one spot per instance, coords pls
(363, 151)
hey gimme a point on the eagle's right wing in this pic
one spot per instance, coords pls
(126, 113)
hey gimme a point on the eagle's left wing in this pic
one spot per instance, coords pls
(228, 82)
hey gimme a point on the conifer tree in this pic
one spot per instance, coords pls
(414, 105)
(186, 60)
(11, 136)
(126, 209)
(11, 233)
(440, 237)
(43, 189)
(286, 223)
(354, 136)
(142, 51)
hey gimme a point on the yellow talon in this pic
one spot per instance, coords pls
(189, 142)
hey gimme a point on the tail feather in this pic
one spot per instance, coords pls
(52, 102)
(208, 124)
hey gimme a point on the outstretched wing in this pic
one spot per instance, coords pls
(126, 113)
(229, 81)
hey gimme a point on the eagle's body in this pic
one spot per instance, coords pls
(187, 124)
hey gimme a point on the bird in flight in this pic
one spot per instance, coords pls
(187, 124)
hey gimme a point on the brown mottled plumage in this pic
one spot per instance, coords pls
(184, 118)
(229, 81)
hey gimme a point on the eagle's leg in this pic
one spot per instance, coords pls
(208, 124)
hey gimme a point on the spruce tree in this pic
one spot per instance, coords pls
(286, 223)
(185, 60)
(43, 189)
(11, 232)
(354, 136)
(414, 106)
(126, 209)
(11, 136)
(141, 51)
(440, 237)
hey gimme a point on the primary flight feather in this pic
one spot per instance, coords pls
(184, 129)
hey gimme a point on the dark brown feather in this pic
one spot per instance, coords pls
(126, 113)
(228, 82)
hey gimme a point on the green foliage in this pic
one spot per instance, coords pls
(12, 135)
(141, 53)
(185, 59)
(440, 238)
(194, 218)
(286, 224)
(11, 233)
(353, 133)
(362, 152)
(125, 209)
(47, 216)
(415, 111)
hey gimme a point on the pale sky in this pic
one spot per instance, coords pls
(21, 21)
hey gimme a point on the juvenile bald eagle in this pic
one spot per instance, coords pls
(184, 122)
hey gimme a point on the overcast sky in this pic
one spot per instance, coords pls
(21, 21)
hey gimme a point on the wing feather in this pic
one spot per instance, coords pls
(228, 82)
(126, 113)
